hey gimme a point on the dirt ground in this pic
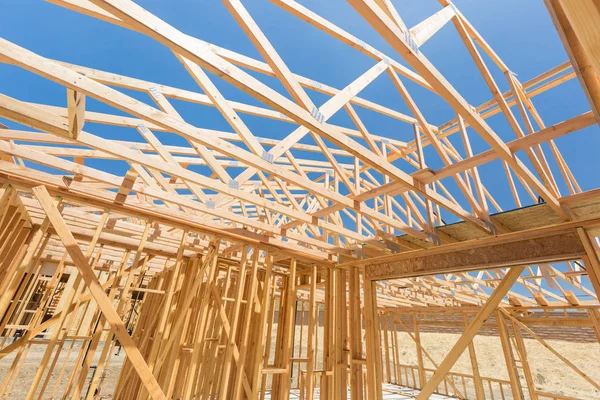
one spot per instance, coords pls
(33, 358)
(551, 375)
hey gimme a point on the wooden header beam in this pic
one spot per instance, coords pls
(482, 254)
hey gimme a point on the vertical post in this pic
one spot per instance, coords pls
(235, 319)
(289, 328)
(249, 316)
(524, 362)
(312, 322)
(374, 381)
(420, 365)
(386, 344)
(341, 354)
(327, 388)
(259, 348)
(356, 366)
(513, 375)
(479, 392)
(396, 353)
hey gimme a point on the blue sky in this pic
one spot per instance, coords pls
(520, 31)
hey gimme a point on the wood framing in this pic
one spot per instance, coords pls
(295, 261)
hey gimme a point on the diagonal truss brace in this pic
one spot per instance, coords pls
(97, 292)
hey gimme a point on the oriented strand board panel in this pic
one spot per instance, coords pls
(480, 255)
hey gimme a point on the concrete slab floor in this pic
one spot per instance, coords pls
(390, 392)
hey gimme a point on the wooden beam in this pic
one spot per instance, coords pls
(478, 254)
(556, 353)
(180, 43)
(584, 17)
(579, 53)
(509, 358)
(479, 391)
(126, 186)
(592, 264)
(104, 303)
(373, 355)
(423, 31)
(466, 338)
(76, 108)
(392, 34)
